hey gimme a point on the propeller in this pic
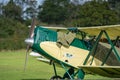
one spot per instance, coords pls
(32, 28)
(29, 41)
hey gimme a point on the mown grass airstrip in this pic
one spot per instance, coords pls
(12, 68)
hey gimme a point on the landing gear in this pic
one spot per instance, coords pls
(69, 74)
(56, 77)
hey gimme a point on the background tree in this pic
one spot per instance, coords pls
(72, 14)
(115, 5)
(95, 13)
(53, 11)
(112, 3)
(12, 30)
(11, 10)
(31, 10)
(91, 13)
(117, 9)
(1, 5)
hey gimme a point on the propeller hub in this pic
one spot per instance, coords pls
(29, 41)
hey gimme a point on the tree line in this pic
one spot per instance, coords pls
(92, 13)
(16, 15)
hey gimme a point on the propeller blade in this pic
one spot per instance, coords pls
(32, 28)
(26, 58)
(28, 46)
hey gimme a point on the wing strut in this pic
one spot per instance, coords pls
(116, 53)
(93, 50)
(97, 40)
(108, 54)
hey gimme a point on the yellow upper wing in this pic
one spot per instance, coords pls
(112, 30)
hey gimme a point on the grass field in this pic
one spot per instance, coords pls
(12, 68)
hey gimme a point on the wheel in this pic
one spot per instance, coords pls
(56, 78)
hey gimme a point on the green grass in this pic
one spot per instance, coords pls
(12, 68)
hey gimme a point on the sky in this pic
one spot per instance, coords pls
(40, 1)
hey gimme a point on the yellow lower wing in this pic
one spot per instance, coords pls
(108, 71)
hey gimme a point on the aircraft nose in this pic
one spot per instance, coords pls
(29, 41)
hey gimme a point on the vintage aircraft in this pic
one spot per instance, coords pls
(76, 49)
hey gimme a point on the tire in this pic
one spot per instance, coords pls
(56, 78)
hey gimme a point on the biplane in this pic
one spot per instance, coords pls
(85, 49)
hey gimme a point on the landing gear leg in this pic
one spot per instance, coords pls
(69, 73)
(55, 77)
